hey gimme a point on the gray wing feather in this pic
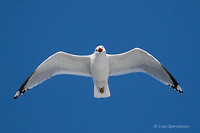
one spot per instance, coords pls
(138, 60)
(58, 63)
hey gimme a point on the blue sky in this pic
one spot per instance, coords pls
(30, 31)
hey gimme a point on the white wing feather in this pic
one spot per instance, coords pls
(138, 60)
(58, 63)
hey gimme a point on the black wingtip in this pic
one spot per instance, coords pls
(181, 92)
(22, 89)
(18, 93)
(175, 83)
(177, 88)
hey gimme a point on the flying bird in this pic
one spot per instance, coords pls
(99, 66)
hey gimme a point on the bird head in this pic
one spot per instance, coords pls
(100, 49)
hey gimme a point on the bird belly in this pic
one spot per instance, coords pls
(100, 71)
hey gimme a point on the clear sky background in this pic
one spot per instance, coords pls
(31, 31)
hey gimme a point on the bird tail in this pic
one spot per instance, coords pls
(103, 92)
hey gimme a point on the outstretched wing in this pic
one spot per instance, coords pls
(138, 60)
(58, 63)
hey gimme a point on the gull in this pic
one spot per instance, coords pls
(99, 66)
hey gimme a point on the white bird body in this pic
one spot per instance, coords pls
(99, 69)
(99, 66)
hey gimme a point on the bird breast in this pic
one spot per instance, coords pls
(99, 69)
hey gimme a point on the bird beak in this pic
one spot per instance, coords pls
(100, 50)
